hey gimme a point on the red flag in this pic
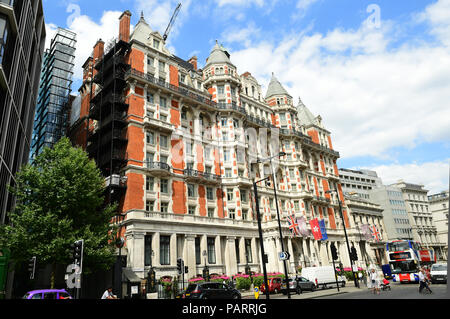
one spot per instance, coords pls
(315, 228)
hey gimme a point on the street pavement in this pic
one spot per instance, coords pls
(398, 291)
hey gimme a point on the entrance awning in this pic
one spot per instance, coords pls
(130, 276)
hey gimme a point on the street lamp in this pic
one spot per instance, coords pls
(346, 237)
(281, 154)
(261, 239)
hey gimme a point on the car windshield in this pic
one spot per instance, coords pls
(439, 268)
(404, 267)
(26, 296)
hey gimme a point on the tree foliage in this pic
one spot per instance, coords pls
(60, 199)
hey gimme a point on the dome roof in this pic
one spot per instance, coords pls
(218, 55)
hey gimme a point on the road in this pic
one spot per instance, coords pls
(398, 291)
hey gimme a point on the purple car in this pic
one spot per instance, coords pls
(49, 294)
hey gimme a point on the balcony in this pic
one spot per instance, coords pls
(159, 125)
(245, 182)
(231, 107)
(159, 169)
(205, 100)
(333, 177)
(196, 176)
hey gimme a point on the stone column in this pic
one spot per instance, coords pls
(218, 251)
(189, 256)
(135, 243)
(292, 264)
(230, 256)
(323, 247)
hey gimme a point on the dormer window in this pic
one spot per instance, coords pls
(156, 44)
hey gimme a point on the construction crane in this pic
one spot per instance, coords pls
(172, 21)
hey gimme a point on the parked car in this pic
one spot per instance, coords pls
(48, 294)
(324, 277)
(211, 290)
(438, 273)
(274, 286)
(298, 285)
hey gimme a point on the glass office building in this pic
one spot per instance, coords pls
(52, 109)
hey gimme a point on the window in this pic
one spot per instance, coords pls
(238, 254)
(282, 117)
(197, 251)
(164, 250)
(156, 44)
(150, 61)
(163, 102)
(150, 98)
(148, 250)
(182, 78)
(163, 141)
(150, 157)
(191, 190)
(189, 148)
(149, 206)
(236, 123)
(4, 33)
(150, 184)
(191, 210)
(230, 194)
(209, 193)
(211, 248)
(221, 89)
(226, 156)
(150, 138)
(183, 114)
(244, 196)
(224, 121)
(165, 186)
(211, 212)
(232, 214)
(164, 208)
(162, 66)
(164, 159)
(248, 250)
(163, 118)
(240, 173)
(244, 214)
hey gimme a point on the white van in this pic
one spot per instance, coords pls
(438, 273)
(323, 277)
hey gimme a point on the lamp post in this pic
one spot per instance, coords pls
(281, 154)
(346, 237)
(206, 268)
(261, 239)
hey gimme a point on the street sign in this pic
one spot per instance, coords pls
(284, 256)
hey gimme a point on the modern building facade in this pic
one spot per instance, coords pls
(52, 110)
(395, 214)
(179, 149)
(359, 182)
(22, 41)
(439, 207)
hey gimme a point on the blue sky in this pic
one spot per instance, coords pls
(381, 82)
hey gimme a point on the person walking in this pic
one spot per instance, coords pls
(374, 281)
(423, 281)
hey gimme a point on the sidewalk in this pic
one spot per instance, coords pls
(349, 287)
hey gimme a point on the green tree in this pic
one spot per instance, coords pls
(60, 199)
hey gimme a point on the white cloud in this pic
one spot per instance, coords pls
(433, 175)
(372, 95)
(438, 16)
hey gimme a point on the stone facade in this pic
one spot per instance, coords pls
(194, 137)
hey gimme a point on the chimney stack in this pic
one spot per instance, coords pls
(193, 61)
(124, 27)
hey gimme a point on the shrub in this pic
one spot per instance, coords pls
(243, 283)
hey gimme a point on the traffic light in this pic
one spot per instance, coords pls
(180, 265)
(354, 254)
(32, 267)
(186, 269)
(334, 253)
(77, 250)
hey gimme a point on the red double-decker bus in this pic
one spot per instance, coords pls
(406, 257)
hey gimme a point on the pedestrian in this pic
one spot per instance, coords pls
(108, 294)
(374, 281)
(423, 281)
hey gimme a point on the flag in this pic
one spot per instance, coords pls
(366, 232)
(375, 233)
(323, 229)
(293, 225)
(303, 229)
(315, 228)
